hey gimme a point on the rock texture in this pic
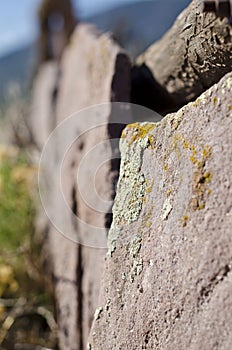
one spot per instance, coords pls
(94, 70)
(167, 280)
(192, 56)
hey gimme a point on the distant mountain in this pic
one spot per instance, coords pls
(135, 25)
(138, 25)
(15, 67)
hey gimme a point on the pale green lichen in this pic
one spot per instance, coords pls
(132, 182)
(97, 313)
(177, 119)
(171, 122)
(167, 208)
(135, 245)
(136, 270)
(132, 185)
(112, 239)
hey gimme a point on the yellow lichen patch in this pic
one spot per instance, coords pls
(184, 220)
(193, 155)
(178, 137)
(140, 130)
(230, 106)
(169, 192)
(207, 177)
(166, 167)
(215, 100)
(192, 148)
(201, 177)
(151, 141)
(196, 103)
(200, 181)
(207, 151)
(148, 224)
(193, 159)
(149, 188)
(123, 135)
(200, 206)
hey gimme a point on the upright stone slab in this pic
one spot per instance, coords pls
(94, 70)
(42, 105)
(167, 280)
(192, 56)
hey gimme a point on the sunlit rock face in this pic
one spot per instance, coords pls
(167, 279)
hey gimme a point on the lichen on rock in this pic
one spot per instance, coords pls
(132, 185)
(135, 245)
(136, 269)
(135, 140)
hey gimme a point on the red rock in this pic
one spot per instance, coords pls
(167, 280)
(94, 70)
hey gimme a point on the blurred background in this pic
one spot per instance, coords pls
(27, 314)
(136, 24)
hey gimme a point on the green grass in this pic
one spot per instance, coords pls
(17, 214)
(16, 206)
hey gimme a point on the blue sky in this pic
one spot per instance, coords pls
(17, 19)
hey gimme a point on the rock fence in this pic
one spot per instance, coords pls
(165, 280)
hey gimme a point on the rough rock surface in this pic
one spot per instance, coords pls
(94, 70)
(167, 280)
(192, 56)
